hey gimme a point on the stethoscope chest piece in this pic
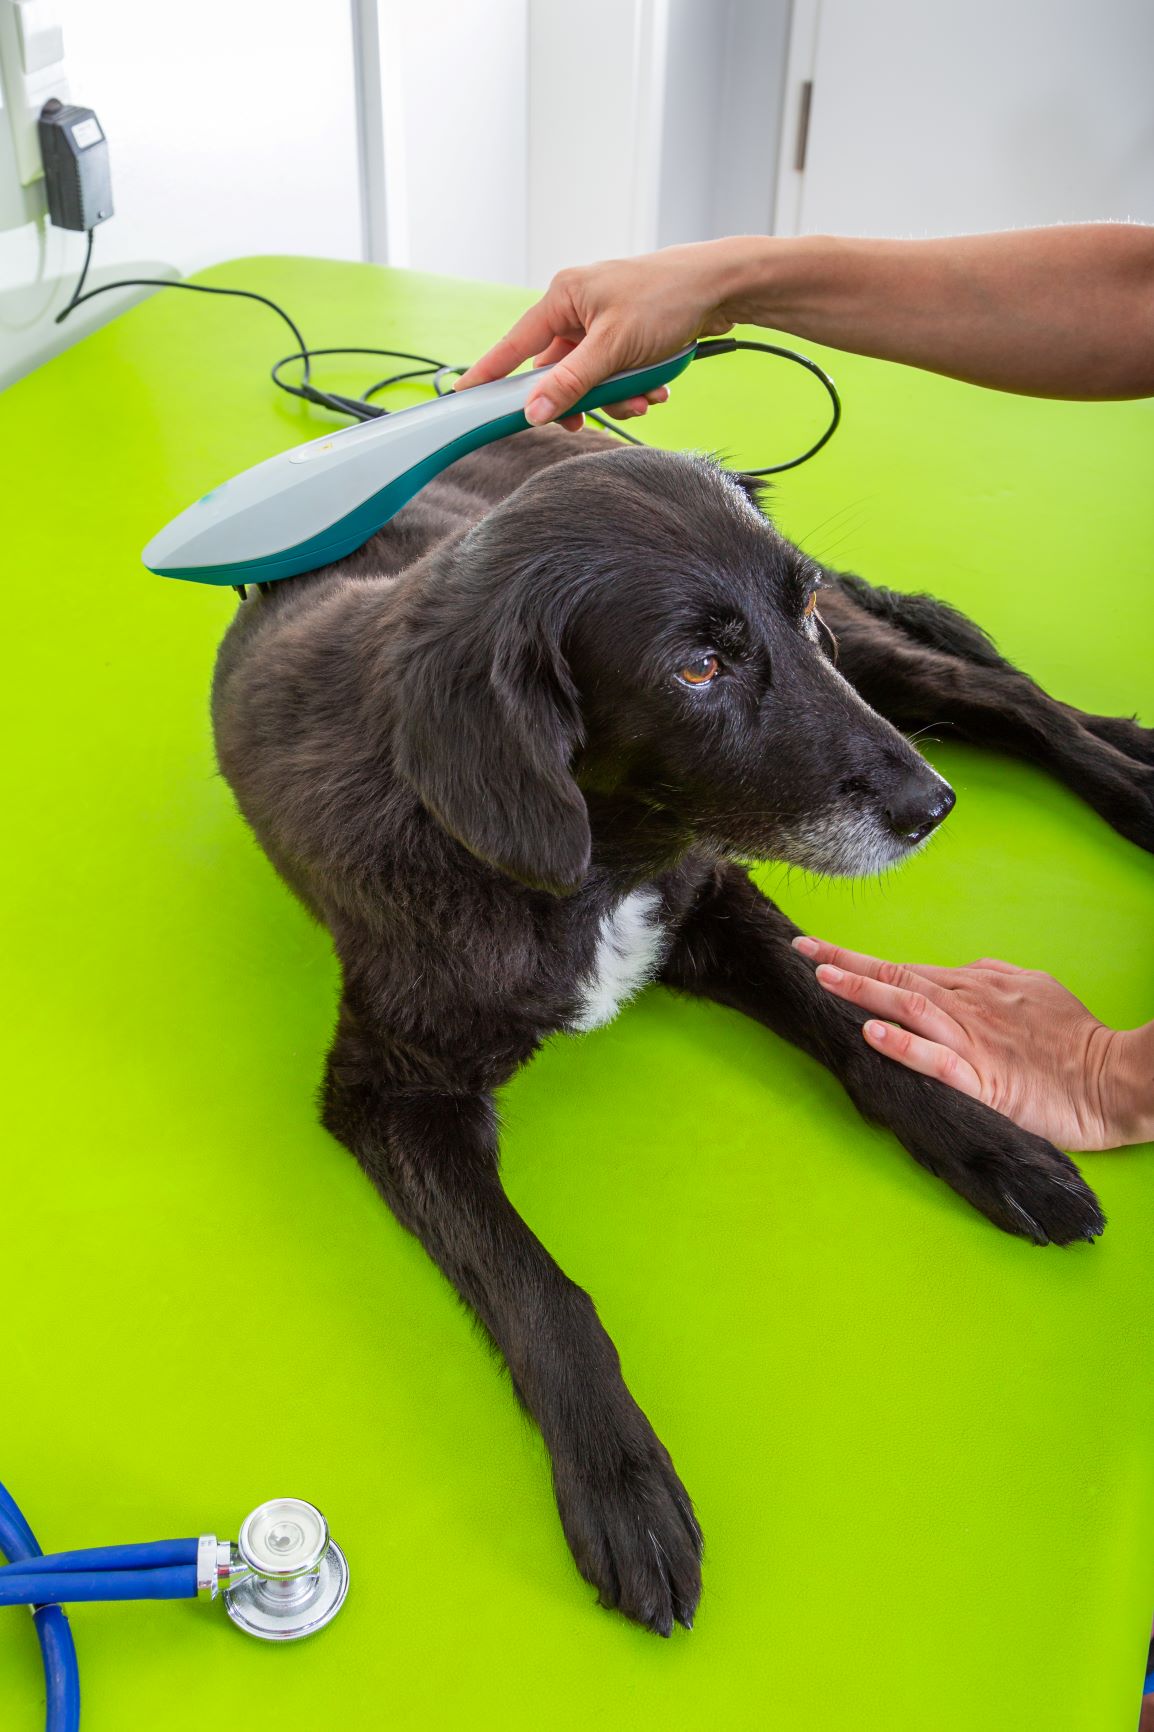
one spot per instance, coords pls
(287, 1577)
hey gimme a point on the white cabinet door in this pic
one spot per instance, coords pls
(948, 116)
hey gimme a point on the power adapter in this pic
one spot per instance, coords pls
(77, 177)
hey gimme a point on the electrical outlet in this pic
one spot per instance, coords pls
(32, 71)
(41, 37)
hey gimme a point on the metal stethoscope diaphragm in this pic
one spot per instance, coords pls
(284, 1577)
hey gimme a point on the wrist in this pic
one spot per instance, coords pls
(1128, 1085)
(780, 280)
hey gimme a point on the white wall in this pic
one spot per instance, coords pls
(230, 125)
(523, 135)
(657, 122)
(964, 115)
(231, 130)
(595, 115)
(453, 89)
(721, 126)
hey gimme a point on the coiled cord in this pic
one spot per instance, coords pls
(362, 408)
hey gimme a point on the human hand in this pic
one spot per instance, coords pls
(1011, 1037)
(607, 318)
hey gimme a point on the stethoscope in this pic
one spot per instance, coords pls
(283, 1578)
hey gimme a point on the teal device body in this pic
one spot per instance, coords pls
(309, 506)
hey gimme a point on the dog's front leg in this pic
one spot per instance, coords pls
(434, 1156)
(735, 947)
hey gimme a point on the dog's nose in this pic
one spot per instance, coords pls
(915, 810)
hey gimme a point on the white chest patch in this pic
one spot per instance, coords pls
(629, 949)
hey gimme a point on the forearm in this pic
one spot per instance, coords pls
(1056, 312)
(1128, 1083)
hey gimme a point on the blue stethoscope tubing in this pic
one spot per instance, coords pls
(163, 1570)
(19, 1587)
(157, 1570)
(57, 1649)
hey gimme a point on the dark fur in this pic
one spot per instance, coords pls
(462, 771)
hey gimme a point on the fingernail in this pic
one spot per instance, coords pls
(540, 409)
(807, 946)
(827, 971)
(876, 1030)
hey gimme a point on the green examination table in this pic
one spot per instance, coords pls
(922, 1452)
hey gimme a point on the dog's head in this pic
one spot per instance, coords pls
(629, 625)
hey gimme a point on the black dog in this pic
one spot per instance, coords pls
(510, 754)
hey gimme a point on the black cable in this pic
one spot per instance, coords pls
(615, 427)
(361, 409)
(76, 293)
(197, 289)
(727, 346)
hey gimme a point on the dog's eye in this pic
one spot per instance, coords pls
(700, 671)
(810, 603)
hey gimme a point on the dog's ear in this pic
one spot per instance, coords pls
(488, 724)
(756, 488)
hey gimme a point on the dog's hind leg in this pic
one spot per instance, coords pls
(735, 947)
(434, 1156)
(1125, 733)
(921, 664)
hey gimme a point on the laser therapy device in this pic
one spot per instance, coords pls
(309, 506)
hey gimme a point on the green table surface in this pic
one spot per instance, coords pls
(923, 1452)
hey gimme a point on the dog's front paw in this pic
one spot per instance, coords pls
(1044, 1198)
(632, 1531)
(1019, 1181)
